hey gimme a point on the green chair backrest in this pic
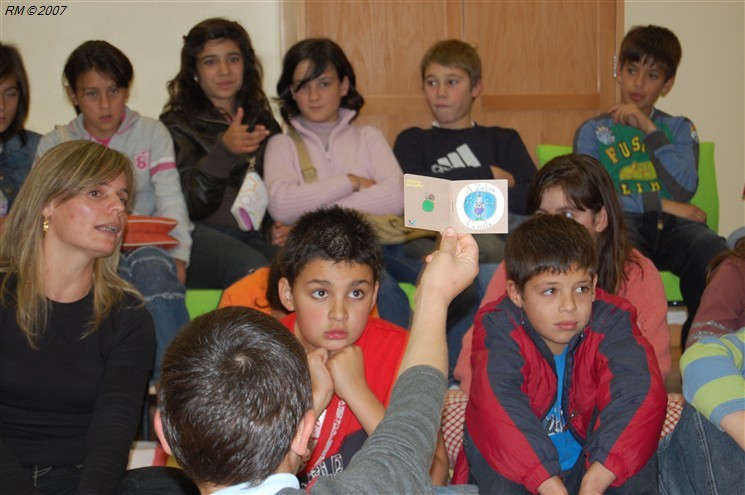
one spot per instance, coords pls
(547, 152)
(707, 194)
(200, 301)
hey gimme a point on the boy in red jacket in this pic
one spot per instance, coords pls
(566, 392)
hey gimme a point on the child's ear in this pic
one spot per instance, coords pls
(374, 295)
(667, 86)
(594, 285)
(299, 443)
(514, 294)
(158, 424)
(345, 86)
(285, 294)
(601, 220)
(477, 89)
(71, 96)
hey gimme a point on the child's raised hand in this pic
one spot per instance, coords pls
(629, 114)
(348, 372)
(241, 140)
(321, 381)
(452, 267)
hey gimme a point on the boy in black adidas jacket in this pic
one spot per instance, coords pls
(455, 147)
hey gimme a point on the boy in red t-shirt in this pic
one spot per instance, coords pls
(330, 267)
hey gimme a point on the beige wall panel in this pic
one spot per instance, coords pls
(535, 47)
(384, 41)
(547, 65)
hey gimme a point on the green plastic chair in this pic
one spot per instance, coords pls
(200, 301)
(547, 152)
(706, 198)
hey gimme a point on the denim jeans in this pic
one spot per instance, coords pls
(490, 482)
(681, 246)
(699, 458)
(457, 490)
(221, 257)
(15, 164)
(153, 273)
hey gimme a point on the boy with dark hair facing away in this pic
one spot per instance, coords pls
(455, 147)
(236, 409)
(566, 392)
(652, 158)
(330, 270)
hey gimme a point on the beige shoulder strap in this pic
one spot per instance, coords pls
(309, 171)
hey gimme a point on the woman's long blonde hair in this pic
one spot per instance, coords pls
(63, 172)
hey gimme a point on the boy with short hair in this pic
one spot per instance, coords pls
(235, 403)
(652, 158)
(331, 265)
(566, 392)
(455, 147)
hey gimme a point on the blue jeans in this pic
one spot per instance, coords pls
(457, 490)
(699, 458)
(678, 245)
(490, 482)
(221, 257)
(153, 273)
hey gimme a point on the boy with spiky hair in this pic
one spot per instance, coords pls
(652, 158)
(330, 266)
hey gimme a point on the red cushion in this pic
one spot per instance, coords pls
(142, 230)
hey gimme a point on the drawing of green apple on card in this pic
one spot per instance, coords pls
(469, 206)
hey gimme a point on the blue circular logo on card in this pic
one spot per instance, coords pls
(480, 205)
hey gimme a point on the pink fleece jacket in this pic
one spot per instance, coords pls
(352, 149)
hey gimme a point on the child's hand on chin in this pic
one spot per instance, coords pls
(320, 378)
(347, 370)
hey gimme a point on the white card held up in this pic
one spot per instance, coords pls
(469, 206)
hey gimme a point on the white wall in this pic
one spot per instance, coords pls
(149, 33)
(710, 85)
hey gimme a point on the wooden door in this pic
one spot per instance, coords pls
(547, 65)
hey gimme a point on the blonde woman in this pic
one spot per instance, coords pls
(76, 343)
